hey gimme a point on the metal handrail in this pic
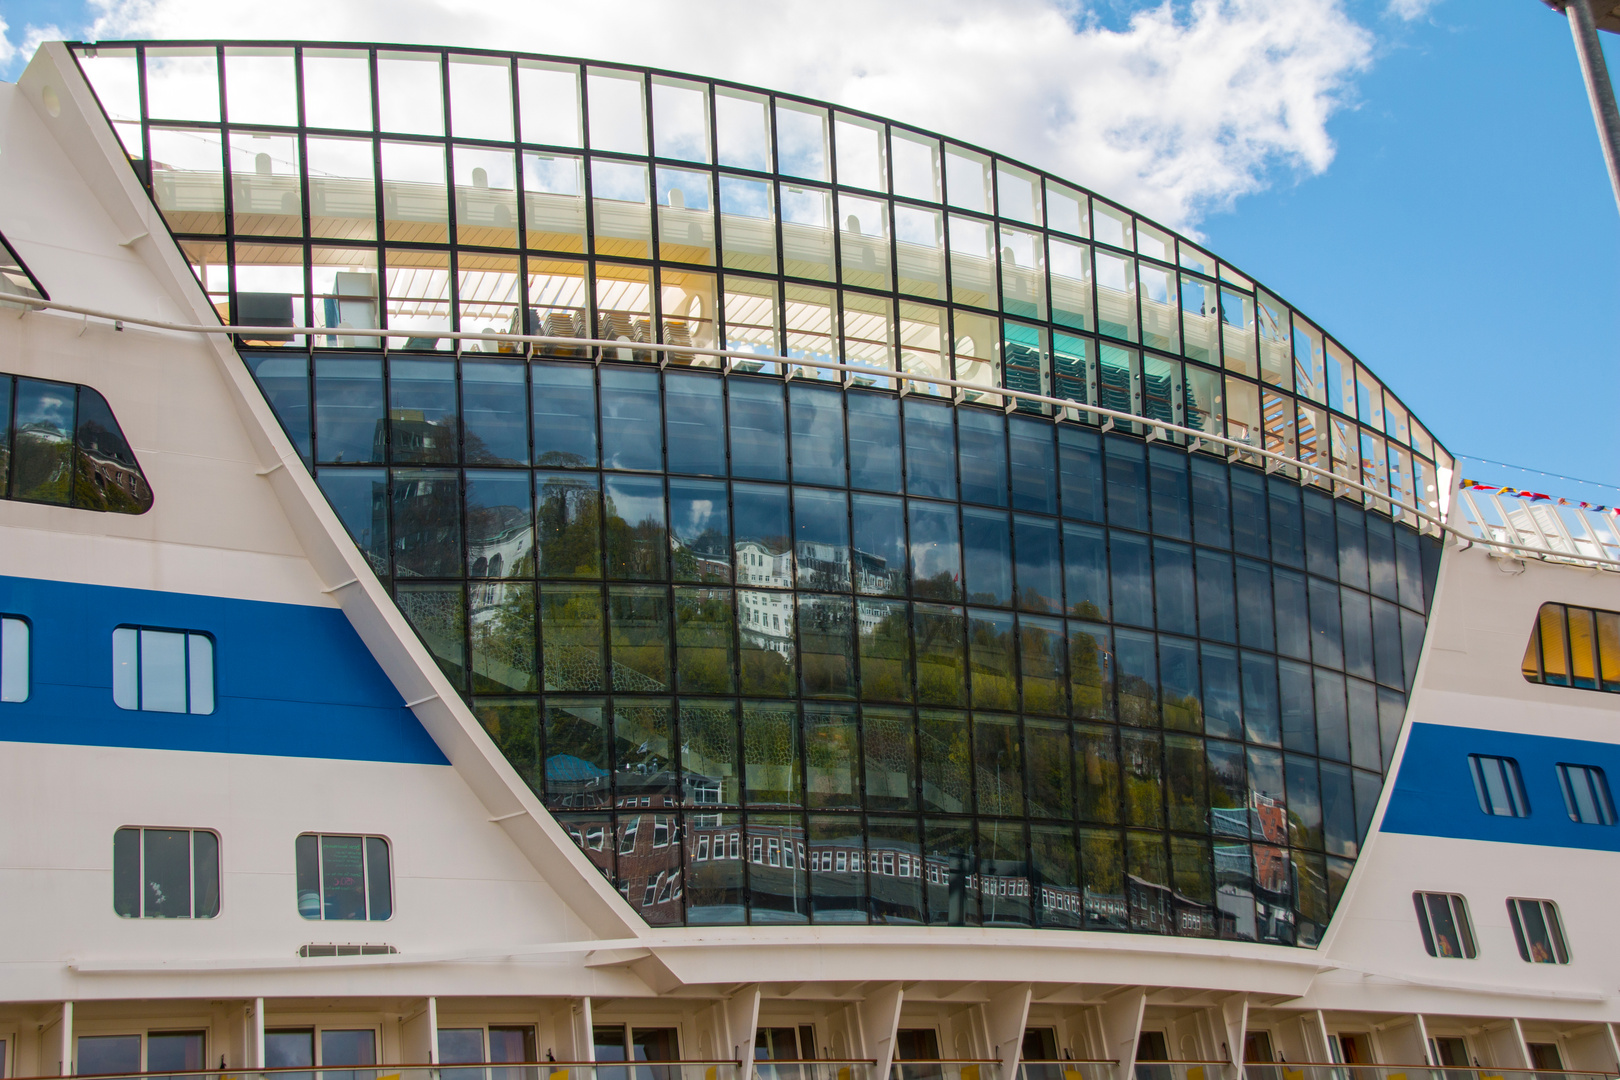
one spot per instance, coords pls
(1492, 1069)
(735, 357)
(385, 1067)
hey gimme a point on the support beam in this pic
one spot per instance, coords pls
(1005, 1015)
(1599, 90)
(742, 1024)
(879, 1017)
(258, 1033)
(65, 1062)
(584, 1040)
(1121, 1020)
(1234, 1026)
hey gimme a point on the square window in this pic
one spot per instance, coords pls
(344, 877)
(165, 873)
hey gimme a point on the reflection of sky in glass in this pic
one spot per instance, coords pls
(693, 188)
(618, 120)
(551, 175)
(916, 226)
(741, 132)
(915, 160)
(617, 180)
(801, 133)
(860, 155)
(497, 166)
(44, 406)
(745, 198)
(965, 180)
(413, 163)
(806, 206)
(548, 99)
(636, 498)
(680, 121)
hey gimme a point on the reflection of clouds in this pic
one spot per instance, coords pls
(805, 206)
(745, 198)
(693, 186)
(681, 122)
(636, 500)
(552, 175)
(617, 180)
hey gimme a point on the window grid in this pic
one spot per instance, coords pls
(471, 594)
(1245, 356)
(1447, 931)
(603, 742)
(1538, 931)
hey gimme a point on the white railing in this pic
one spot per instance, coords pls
(1502, 535)
(1326, 1071)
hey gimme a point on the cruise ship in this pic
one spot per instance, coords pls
(524, 568)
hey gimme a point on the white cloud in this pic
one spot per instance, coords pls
(1409, 10)
(8, 51)
(1184, 109)
(13, 55)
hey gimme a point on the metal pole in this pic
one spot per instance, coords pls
(1598, 87)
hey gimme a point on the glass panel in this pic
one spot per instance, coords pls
(916, 165)
(481, 97)
(863, 241)
(978, 355)
(936, 557)
(553, 204)
(821, 544)
(751, 319)
(410, 97)
(188, 178)
(939, 635)
(685, 216)
(618, 114)
(337, 89)
(973, 265)
(700, 531)
(832, 759)
(861, 159)
(994, 675)
(743, 129)
(807, 232)
(810, 322)
(621, 211)
(748, 224)
(801, 132)
(680, 119)
(486, 199)
(1161, 327)
(637, 538)
(548, 97)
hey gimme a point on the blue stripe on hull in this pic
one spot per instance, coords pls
(1434, 793)
(290, 680)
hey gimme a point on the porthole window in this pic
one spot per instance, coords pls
(165, 873)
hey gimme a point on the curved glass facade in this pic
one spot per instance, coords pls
(783, 645)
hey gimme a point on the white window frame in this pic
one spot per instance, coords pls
(130, 689)
(16, 648)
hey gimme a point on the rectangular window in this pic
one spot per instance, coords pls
(1498, 785)
(343, 877)
(165, 873)
(1538, 931)
(1572, 646)
(1586, 794)
(1443, 918)
(13, 659)
(163, 670)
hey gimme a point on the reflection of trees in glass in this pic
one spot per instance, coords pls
(568, 519)
(940, 643)
(639, 633)
(941, 586)
(946, 761)
(885, 648)
(771, 753)
(1144, 778)
(571, 637)
(831, 750)
(709, 752)
(1051, 787)
(44, 466)
(1098, 762)
(703, 641)
(891, 764)
(1088, 676)
(1137, 701)
(826, 653)
(514, 727)
(1000, 763)
(1042, 661)
(1187, 804)
(703, 557)
(995, 686)
(635, 550)
(438, 614)
(503, 638)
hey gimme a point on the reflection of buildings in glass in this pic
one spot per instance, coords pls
(758, 564)
(499, 544)
(822, 566)
(572, 783)
(416, 438)
(649, 875)
(765, 618)
(874, 575)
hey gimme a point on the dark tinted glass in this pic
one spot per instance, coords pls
(1127, 483)
(1039, 564)
(874, 442)
(930, 449)
(1352, 546)
(699, 531)
(284, 381)
(348, 409)
(1287, 522)
(494, 419)
(1034, 466)
(694, 423)
(1167, 472)
(758, 429)
(1251, 533)
(1211, 502)
(564, 415)
(1173, 588)
(632, 434)
(1132, 578)
(982, 449)
(987, 556)
(936, 551)
(422, 411)
(1381, 556)
(879, 539)
(817, 416)
(1256, 616)
(1080, 473)
(1217, 614)
(1321, 534)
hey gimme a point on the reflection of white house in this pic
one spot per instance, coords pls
(759, 565)
(505, 544)
(766, 620)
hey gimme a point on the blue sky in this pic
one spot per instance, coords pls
(1459, 234)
